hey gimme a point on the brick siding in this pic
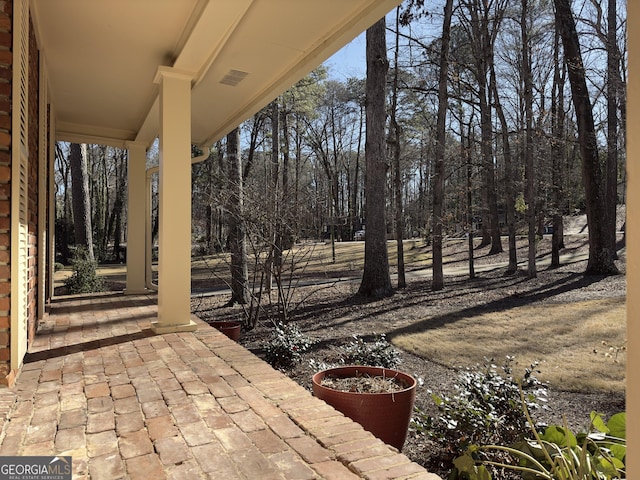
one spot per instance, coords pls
(6, 74)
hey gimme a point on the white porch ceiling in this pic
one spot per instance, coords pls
(102, 57)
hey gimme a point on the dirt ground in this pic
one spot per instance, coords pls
(331, 314)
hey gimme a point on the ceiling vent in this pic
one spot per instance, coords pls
(233, 77)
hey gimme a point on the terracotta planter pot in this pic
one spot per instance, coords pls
(230, 329)
(386, 415)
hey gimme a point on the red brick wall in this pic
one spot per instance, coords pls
(6, 72)
(6, 16)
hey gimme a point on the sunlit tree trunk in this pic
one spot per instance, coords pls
(64, 219)
(558, 154)
(601, 256)
(394, 140)
(483, 26)
(114, 228)
(80, 198)
(376, 280)
(469, 190)
(529, 171)
(508, 177)
(285, 233)
(612, 125)
(235, 218)
(275, 172)
(437, 282)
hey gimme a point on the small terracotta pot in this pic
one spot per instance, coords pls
(386, 415)
(231, 329)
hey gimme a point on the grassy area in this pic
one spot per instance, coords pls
(580, 345)
(313, 258)
(310, 258)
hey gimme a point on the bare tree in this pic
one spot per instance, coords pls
(508, 175)
(613, 81)
(530, 189)
(394, 141)
(438, 187)
(114, 226)
(482, 24)
(235, 218)
(376, 280)
(601, 256)
(557, 152)
(64, 216)
(80, 197)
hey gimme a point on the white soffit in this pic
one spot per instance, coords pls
(102, 57)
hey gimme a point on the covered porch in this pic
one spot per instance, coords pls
(187, 73)
(122, 73)
(99, 386)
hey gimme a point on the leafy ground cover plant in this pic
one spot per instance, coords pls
(286, 345)
(555, 453)
(379, 353)
(486, 408)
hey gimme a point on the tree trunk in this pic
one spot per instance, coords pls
(611, 200)
(64, 225)
(530, 188)
(286, 228)
(467, 156)
(437, 282)
(394, 133)
(510, 206)
(557, 154)
(237, 244)
(482, 39)
(376, 280)
(601, 259)
(115, 218)
(98, 194)
(276, 210)
(80, 198)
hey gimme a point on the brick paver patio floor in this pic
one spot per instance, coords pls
(99, 386)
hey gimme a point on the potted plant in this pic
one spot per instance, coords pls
(230, 328)
(379, 398)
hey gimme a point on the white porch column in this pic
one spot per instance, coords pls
(136, 221)
(174, 255)
(633, 244)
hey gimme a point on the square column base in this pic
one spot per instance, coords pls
(159, 329)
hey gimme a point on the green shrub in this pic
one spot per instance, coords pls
(555, 453)
(84, 278)
(486, 409)
(379, 353)
(57, 266)
(286, 345)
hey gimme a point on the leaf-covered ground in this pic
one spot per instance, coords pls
(331, 314)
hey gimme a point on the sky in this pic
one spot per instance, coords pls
(350, 61)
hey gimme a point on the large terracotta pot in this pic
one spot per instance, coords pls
(386, 415)
(231, 329)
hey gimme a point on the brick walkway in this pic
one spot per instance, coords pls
(99, 386)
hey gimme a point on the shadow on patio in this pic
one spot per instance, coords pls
(99, 386)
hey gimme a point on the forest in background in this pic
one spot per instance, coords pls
(510, 161)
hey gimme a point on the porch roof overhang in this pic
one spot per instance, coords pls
(102, 57)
